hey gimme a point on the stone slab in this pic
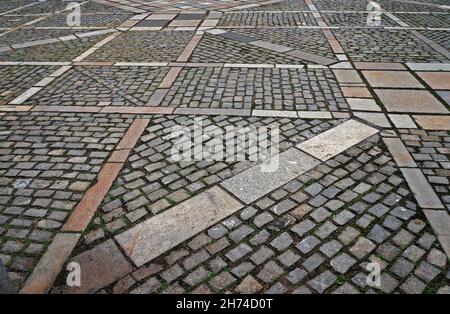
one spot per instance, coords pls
(363, 104)
(100, 266)
(433, 122)
(378, 119)
(403, 100)
(359, 92)
(436, 80)
(379, 66)
(396, 79)
(251, 184)
(423, 192)
(157, 235)
(50, 264)
(445, 95)
(347, 76)
(398, 150)
(439, 221)
(336, 140)
(429, 66)
(402, 121)
(213, 111)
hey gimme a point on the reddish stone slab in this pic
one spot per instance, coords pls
(398, 79)
(409, 100)
(436, 80)
(134, 132)
(100, 266)
(433, 122)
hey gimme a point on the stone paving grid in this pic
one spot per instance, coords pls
(314, 234)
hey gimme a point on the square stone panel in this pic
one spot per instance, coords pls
(398, 79)
(436, 80)
(401, 100)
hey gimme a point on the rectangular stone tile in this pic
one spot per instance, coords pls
(157, 235)
(359, 92)
(190, 47)
(433, 122)
(137, 110)
(378, 119)
(403, 100)
(445, 95)
(347, 76)
(157, 97)
(402, 121)
(161, 16)
(398, 150)
(51, 263)
(213, 111)
(429, 66)
(379, 66)
(251, 184)
(66, 108)
(274, 113)
(310, 57)
(100, 266)
(363, 104)
(184, 23)
(423, 192)
(314, 114)
(436, 80)
(336, 140)
(270, 46)
(397, 79)
(133, 133)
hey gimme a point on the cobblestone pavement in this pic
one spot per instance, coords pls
(93, 115)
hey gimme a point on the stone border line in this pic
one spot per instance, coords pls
(427, 199)
(51, 263)
(156, 235)
(19, 8)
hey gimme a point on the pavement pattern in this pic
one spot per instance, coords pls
(86, 173)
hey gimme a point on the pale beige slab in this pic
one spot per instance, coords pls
(160, 233)
(336, 140)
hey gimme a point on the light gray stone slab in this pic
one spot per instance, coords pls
(336, 140)
(274, 113)
(363, 104)
(270, 46)
(402, 121)
(429, 66)
(439, 221)
(378, 119)
(153, 237)
(27, 94)
(398, 150)
(213, 111)
(254, 183)
(423, 192)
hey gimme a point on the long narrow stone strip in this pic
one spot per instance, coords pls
(256, 182)
(335, 45)
(50, 264)
(121, 6)
(423, 192)
(137, 110)
(438, 48)
(396, 19)
(25, 96)
(85, 209)
(440, 222)
(398, 150)
(336, 140)
(213, 111)
(19, 8)
(170, 77)
(100, 44)
(157, 235)
(189, 49)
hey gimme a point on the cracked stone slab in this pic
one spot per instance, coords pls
(251, 184)
(160, 233)
(336, 140)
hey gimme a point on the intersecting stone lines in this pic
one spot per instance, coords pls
(315, 234)
(19, 78)
(89, 86)
(282, 89)
(151, 181)
(47, 163)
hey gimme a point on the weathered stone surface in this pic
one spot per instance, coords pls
(155, 236)
(338, 139)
